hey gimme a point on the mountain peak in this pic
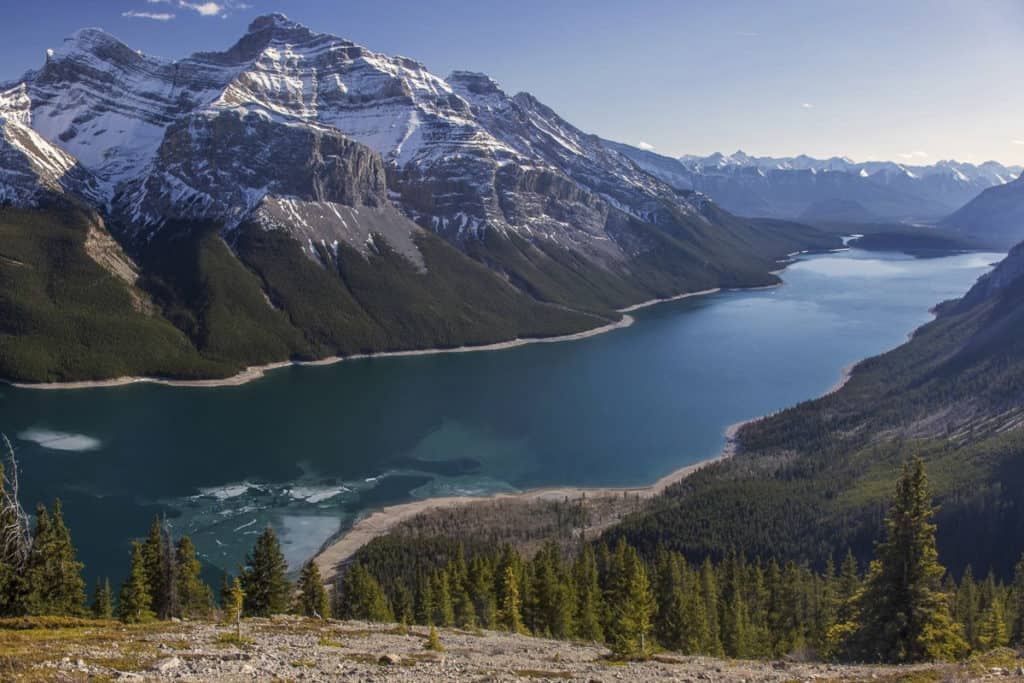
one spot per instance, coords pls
(275, 20)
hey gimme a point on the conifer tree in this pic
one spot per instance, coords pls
(847, 590)
(170, 605)
(510, 617)
(433, 642)
(264, 580)
(444, 608)
(588, 596)
(403, 605)
(712, 600)
(696, 636)
(481, 590)
(102, 602)
(360, 596)
(312, 598)
(904, 614)
(424, 600)
(992, 629)
(133, 604)
(234, 605)
(735, 615)
(633, 607)
(967, 608)
(193, 595)
(155, 561)
(53, 575)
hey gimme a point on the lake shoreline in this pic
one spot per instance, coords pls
(341, 547)
(255, 372)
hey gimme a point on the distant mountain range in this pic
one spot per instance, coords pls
(826, 189)
(300, 196)
(995, 217)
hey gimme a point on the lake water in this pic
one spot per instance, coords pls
(310, 448)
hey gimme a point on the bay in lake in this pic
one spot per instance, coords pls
(307, 449)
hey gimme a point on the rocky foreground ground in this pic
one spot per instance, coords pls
(292, 649)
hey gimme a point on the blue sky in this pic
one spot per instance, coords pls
(913, 81)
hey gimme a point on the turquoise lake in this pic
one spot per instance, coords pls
(308, 449)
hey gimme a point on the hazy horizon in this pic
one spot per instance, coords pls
(914, 83)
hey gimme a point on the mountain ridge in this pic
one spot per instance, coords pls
(787, 187)
(385, 189)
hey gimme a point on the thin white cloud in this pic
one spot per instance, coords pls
(747, 34)
(205, 9)
(645, 145)
(914, 155)
(807, 105)
(155, 16)
(1017, 142)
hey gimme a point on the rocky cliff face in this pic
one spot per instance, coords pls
(219, 171)
(290, 113)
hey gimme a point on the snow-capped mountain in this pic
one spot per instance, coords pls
(218, 135)
(297, 141)
(805, 187)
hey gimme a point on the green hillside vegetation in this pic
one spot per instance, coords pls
(63, 317)
(811, 481)
(211, 308)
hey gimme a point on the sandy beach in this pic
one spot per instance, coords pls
(253, 373)
(380, 522)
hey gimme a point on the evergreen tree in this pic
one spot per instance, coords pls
(193, 595)
(403, 605)
(155, 561)
(53, 575)
(234, 605)
(312, 599)
(424, 600)
(444, 608)
(510, 617)
(904, 614)
(360, 596)
(481, 590)
(133, 604)
(993, 632)
(697, 636)
(588, 596)
(264, 580)
(102, 607)
(433, 642)
(633, 607)
(226, 582)
(712, 600)
(967, 608)
(170, 605)
(847, 590)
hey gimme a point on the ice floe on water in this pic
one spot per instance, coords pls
(317, 494)
(227, 491)
(60, 441)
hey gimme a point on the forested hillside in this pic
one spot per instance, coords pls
(810, 482)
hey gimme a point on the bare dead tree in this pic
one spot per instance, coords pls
(15, 534)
